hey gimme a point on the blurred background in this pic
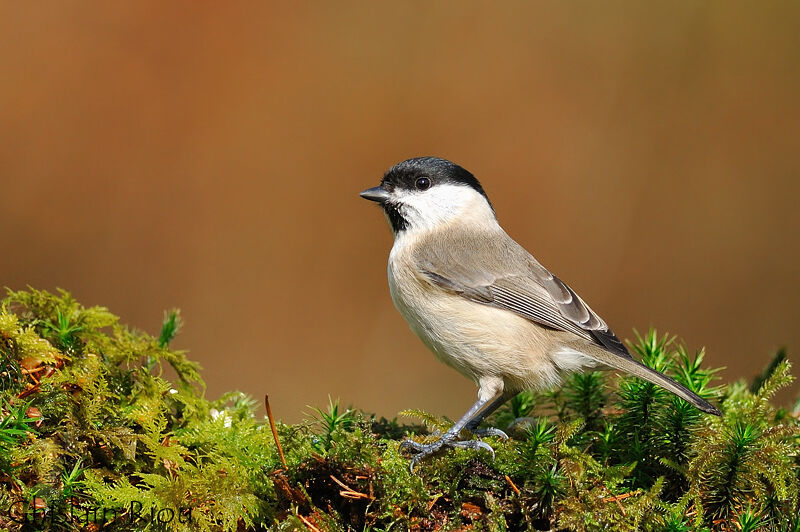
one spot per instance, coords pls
(209, 157)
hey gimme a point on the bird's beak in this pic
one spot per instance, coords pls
(377, 194)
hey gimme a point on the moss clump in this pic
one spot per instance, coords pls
(92, 435)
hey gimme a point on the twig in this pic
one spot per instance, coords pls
(308, 523)
(349, 492)
(353, 495)
(433, 501)
(25, 393)
(622, 496)
(513, 486)
(621, 508)
(342, 484)
(275, 433)
(617, 498)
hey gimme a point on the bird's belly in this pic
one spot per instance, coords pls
(475, 339)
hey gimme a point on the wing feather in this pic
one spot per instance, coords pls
(494, 270)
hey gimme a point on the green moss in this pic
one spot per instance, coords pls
(91, 432)
(93, 435)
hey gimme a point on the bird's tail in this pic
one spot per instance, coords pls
(629, 365)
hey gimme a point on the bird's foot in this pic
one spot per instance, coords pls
(490, 431)
(424, 450)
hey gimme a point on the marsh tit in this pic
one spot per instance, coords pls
(482, 303)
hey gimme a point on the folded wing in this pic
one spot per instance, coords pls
(498, 272)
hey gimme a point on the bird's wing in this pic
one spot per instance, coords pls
(494, 270)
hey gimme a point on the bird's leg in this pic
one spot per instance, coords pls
(450, 438)
(472, 425)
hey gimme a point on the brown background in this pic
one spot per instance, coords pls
(208, 156)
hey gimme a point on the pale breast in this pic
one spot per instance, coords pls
(475, 339)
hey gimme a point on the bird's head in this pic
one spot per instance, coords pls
(427, 192)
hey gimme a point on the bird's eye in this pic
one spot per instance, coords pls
(422, 183)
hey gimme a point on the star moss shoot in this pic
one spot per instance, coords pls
(93, 435)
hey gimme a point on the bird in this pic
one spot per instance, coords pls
(484, 305)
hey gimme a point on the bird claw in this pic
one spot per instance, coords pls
(490, 431)
(475, 445)
(424, 450)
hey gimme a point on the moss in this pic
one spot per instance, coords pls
(92, 435)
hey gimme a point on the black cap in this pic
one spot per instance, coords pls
(404, 175)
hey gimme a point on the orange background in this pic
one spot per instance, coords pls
(209, 156)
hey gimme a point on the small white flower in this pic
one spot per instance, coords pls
(216, 414)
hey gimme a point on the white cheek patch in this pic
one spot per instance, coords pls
(443, 203)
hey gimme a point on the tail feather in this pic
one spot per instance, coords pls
(638, 369)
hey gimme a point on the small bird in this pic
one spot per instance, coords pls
(482, 303)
